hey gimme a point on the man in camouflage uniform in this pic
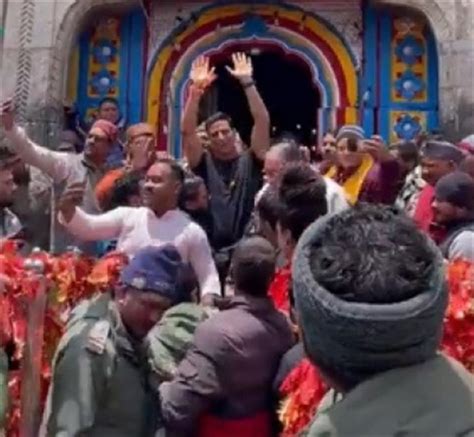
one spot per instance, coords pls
(100, 383)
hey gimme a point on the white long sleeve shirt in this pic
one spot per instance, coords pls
(135, 228)
(335, 196)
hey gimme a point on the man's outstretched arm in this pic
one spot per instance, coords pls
(201, 76)
(260, 138)
(55, 164)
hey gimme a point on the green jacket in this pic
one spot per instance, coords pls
(170, 339)
(100, 378)
(433, 399)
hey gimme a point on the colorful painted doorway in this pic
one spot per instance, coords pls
(109, 61)
(214, 28)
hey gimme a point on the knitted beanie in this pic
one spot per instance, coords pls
(354, 341)
(351, 131)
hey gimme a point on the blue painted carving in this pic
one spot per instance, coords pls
(103, 82)
(409, 85)
(254, 25)
(104, 51)
(409, 49)
(407, 127)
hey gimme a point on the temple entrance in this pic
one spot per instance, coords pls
(286, 85)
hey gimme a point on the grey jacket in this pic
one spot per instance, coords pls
(64, 169)
(433, 399)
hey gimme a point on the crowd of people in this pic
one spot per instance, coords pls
(252, 266)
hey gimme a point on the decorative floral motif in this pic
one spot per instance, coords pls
(406, 25)
(458, 338)
(70, 279)
(104, 51)
(409, 50)
(407, 127)
(103, 82)
(409, 85)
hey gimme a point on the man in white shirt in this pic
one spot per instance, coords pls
(284, 152)
(158, 223)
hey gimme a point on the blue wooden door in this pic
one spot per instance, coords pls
(110, 59)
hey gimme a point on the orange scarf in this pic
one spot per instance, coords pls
(353, 185)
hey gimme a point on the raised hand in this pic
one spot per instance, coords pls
(141, 153)
(375, 146)
(72, 197)
(202, 75)
(7, 115)
(243, 69)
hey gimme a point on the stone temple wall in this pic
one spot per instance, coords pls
(39, 34)
(344, 15)
(452, 23)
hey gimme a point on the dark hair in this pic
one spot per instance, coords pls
(269, 207)
(407, 151)
(124, 187)
(372, 254)
(190, 189)
(302, 194)
(253, 266)
(109, 100)
(218, 116)
(176, 169)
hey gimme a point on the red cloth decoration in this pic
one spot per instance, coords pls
(258, 425)
(302, 391)
(279, 289)
(458, 338)
(423, 215)
(71, 278)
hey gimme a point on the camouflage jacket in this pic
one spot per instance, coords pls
(169, 340)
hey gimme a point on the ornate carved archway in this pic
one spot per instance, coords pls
(288, 27)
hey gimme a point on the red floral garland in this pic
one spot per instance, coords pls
(302, 391)
(458, 338)
(71, 278)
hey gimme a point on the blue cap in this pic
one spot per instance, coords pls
(155, 270)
